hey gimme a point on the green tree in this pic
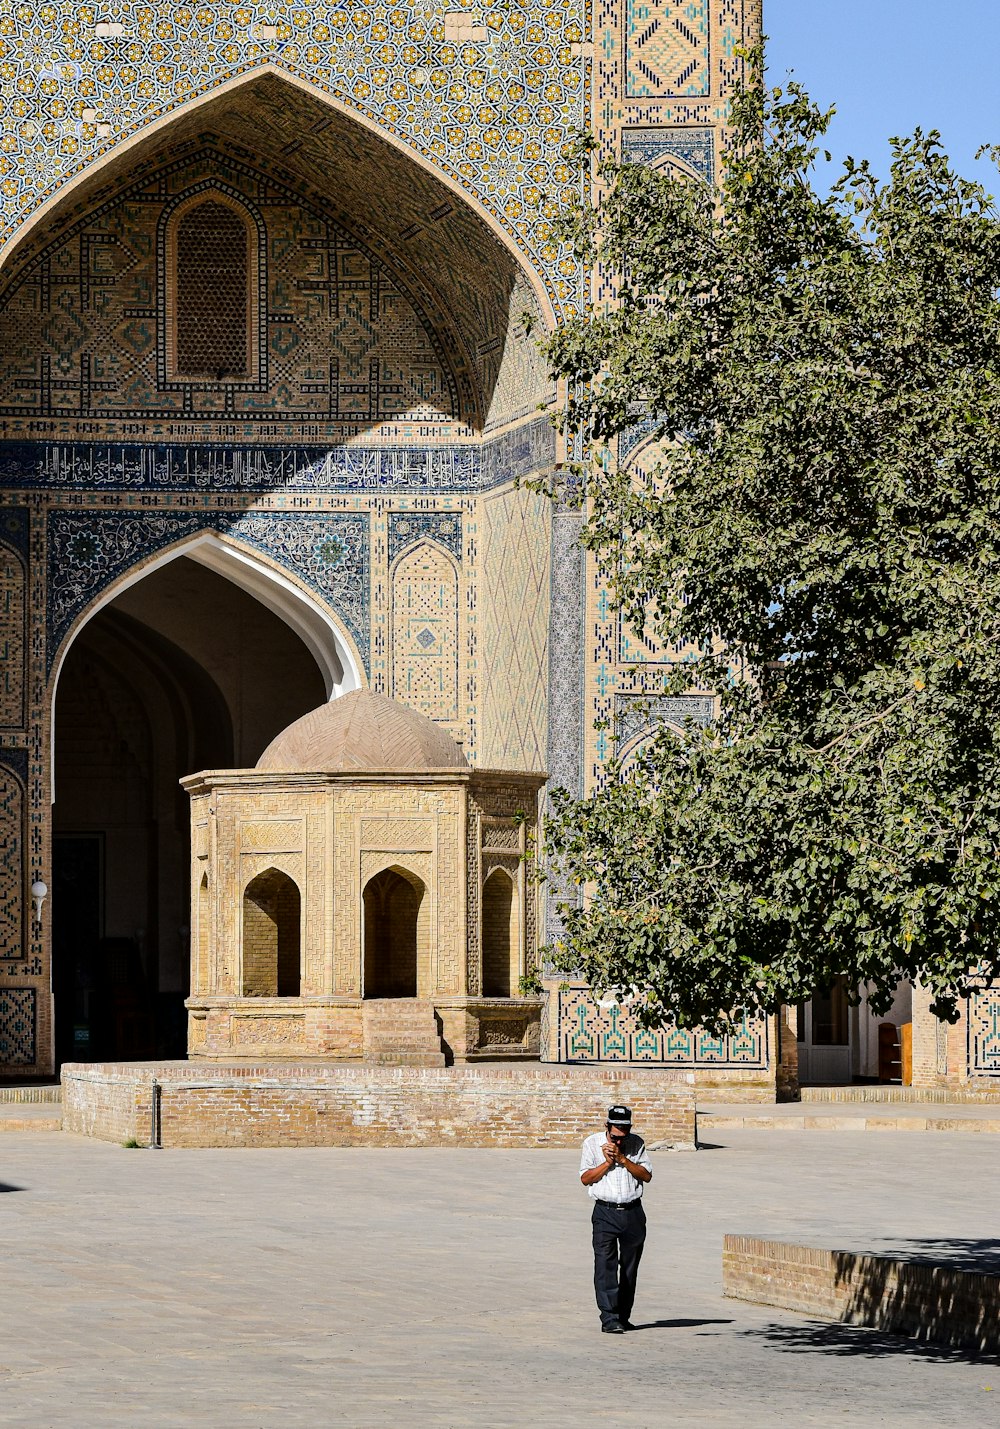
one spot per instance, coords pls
(822, 531)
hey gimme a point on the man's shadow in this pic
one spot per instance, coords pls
(678, 1324)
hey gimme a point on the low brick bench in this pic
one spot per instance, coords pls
(213, 1104)
(941, 1304)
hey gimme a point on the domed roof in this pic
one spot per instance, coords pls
(362, 731)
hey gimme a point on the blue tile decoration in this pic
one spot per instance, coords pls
(638, 714)
(400, 168)
(87, 550)
(408, 527)
(490, 110)
(984, 1033)
(657, 146)
(566, 677)
(14, 528)
(18, 1016)
(13, 773)
(459, 469)
(16, 761)
(589, 1032)
(666, 48)
(566, 653)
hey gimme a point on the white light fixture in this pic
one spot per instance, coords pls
(39, 893)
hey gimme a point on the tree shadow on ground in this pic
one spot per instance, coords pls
(859, 1340)
(981, 1256)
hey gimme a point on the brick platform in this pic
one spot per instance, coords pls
(938, 1303)
(361, 1105)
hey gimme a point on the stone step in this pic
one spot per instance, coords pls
(37, 1116)
(402, 1032)
(398, 1007)
(889, 1092)
(393, 1057)
(982, 1119)
(49, 1094)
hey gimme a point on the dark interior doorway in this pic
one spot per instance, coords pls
(184, 671)
(392, 905)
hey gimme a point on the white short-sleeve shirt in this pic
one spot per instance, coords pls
(619, 1185)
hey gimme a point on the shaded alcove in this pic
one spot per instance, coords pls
(500, 929)
(272, 936)
(393, 903)
(380, 294)
(182, 671)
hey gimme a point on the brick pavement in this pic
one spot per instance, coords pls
(421, 1287)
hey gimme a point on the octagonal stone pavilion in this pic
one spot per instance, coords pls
(363, 894)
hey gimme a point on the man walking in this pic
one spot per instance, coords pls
(614, 1167)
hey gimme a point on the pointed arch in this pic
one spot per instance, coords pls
(312, 620)
(501, 935)
(119, 155)
(213, 285)
(271, 945)
(396, 917)
(444, 341)
(201, 942)
(425, 635)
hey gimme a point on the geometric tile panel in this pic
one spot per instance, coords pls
(657, 147)
(984, 1033)
(87, 550)
(666, 48)
(513, 647)
(640, 714)
(13, 634)
(341, 346)
(17, 1026)
(425, 631)
(12, 886)
(591, 1033)
(493, 114)
(444, 527)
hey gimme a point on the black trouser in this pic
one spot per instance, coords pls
(618, 1240)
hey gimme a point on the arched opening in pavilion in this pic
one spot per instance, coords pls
(395, 925)
(272, 936)
(501, 954)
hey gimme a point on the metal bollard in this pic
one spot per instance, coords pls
(154, 1116)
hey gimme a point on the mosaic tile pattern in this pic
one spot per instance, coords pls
(339, 344)
(444, 527)
(984, 1034)
(14, 527)
(638, 714)
(589, 1032)
(12, 880)
(659, 147)
(566, 655)
(513, 654)
(17, 1026)
(460, 469)
(90, 549)
(425, 634)
(372, 124)
(491, 114)
(13, 637)
(666, 48)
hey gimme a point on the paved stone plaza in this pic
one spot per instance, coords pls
(430, 1287)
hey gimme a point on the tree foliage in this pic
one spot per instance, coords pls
(822, 531)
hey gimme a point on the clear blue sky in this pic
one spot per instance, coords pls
(889, 65)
